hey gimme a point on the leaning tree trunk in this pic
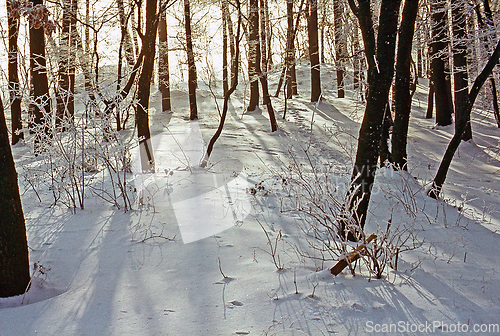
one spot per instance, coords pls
(40, 106)
(144, 87)
(312, 29)
(440, 177)
(65, 94)
(14, 261)
(253, 54)
(402, 95)
(234, 83)
(461, 79)
(14, 89)
(442, 92)
(163, 70)
(192, 78)
(380, 57)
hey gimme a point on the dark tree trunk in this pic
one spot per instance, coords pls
(163, 66)
(253, 54)
(461, 79)
(444, 108)
(192, 78)
(338, 10)
(263, 35)
(14, 261)
(232, 40)
(488, 23)
(291, 77)
(380, 57)
(312, 29)
(430, 100)
(440, 177)
(402, 95)
(144, 87)
(14, 89)
(40, 108)
(66, 90)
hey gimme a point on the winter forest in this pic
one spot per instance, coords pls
(249, 167)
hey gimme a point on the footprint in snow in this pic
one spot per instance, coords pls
(234, 303)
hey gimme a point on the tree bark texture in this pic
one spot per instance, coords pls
(40, 106)
(192, 78)
(460, 76)
(312, 29)
(14, 88)
(340, 45)
(253, 54)
(402, 95)
(439, 54)
(14, 261)
(67, 56)
(163, 66)
(380, 55)
(144, 85)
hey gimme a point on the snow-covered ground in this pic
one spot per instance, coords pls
(193, 258)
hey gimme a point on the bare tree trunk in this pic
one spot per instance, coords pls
(225, 72)
(340, 45)
(14, 262)
(163, 66)
(488, 23)
(291, 80)
(430, 100)
(440, 177)
(127, 39)
(380, 54)
(263, 35)
(442, 92)
(234, 84)
(14, 89)
(402, 95)
(253, 54)
(461, 79)
(287, 70)
(67, 56)
(312, 28)
(192, 78)
(40, 107)
(144, 87)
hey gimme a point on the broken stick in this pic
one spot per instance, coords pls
(351, 257)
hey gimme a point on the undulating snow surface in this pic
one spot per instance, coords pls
(192, 258)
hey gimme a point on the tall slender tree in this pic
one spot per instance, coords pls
(380, 54)
(40, 105)
(460, 76)
(312, 29)
(340, 45)
(14, 88)
(192, 78)
(402, 96)
(253, 54)
(67, 57)
(437, 183)
(439, 60)
(163, 66)
(144, 86)
(14, 261)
